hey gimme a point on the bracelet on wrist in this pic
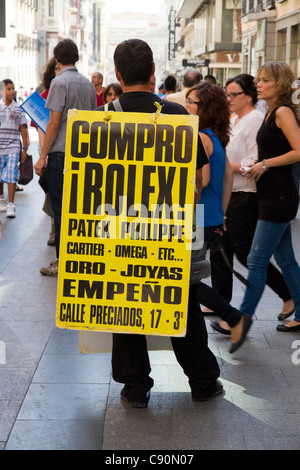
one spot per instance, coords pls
(25, 148)
(264, 166)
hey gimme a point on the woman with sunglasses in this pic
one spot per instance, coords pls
(209, 103)
(242, 212)
(278, 142)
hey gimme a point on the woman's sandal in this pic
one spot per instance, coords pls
(284, 316)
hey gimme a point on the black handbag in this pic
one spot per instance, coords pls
(43, 181)
(200, 266)
(26, 171)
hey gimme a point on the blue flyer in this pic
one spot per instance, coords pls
(34, 106)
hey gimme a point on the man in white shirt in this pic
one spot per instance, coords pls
(12, 123)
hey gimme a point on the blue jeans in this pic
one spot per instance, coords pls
(271, 239)
(55, 179)
(296, 174)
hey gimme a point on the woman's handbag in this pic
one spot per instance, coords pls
(200, 266)
(26, 171)
(43, 181)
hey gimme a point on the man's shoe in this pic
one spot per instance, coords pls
(51, 270)
(240, 330)
(3, 205)
(141, 402)
(205, 395)
(11, 210)
(51, 239)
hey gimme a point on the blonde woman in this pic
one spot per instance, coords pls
(278, 142)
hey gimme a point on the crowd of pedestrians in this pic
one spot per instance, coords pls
(248, 144)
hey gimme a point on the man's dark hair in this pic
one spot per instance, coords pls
(192, 77)
(8, 81)
(210, 79)
(170, 83)
(133, 59)
(66, 52)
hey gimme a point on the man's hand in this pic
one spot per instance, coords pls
(50, 136)
(24, 155)
(40, 165)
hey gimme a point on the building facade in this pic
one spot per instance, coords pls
(211, 34)
(152, 28)
(30, 29)
(270, 31)
(19, 42)
(233, 36)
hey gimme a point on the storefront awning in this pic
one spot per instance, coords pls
(188, 8)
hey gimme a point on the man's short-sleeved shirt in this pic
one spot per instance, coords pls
(11, 118)
(143, 102)
(69, 90)
(100, 100)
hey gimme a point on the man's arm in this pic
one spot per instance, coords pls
(25, 141)
(198, 187)
(227, 185)
(50, 137)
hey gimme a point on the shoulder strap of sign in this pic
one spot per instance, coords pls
(117, 105)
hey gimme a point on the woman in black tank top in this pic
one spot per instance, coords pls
(278, 148)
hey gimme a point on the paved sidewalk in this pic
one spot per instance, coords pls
(52, 397)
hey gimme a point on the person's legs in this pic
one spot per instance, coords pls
(11, 189)
(213, 300)
(10, 175)
(55, 176)
(192, 352)
(131, 366)
(242, 215)
(241, 218)
(266, 239)
(285, 258)
(221, 275)
(3, 204)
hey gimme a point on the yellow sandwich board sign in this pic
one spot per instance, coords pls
(127, 222)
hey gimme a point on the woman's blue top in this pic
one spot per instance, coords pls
(212, 194)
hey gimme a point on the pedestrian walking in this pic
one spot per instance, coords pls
(13, 124)
(278, 148)
(49, 74)
(69, 90)
(97, 81)
(209, 103)
(242, 212)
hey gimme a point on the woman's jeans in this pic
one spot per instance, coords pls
(271, 239)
